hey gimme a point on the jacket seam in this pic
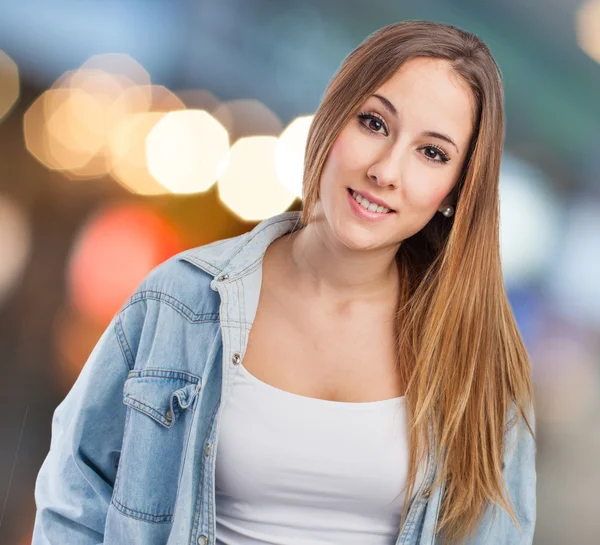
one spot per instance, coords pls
(148, 517)
(146, 409)
(199, 261)
(253, 236)
(161, 372)
(167, 299)
(123, 343)
(199, 503)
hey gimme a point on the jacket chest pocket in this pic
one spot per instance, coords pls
(161, 406)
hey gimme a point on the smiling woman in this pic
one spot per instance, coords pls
(415, 116)
(397, 147)
(349, 374)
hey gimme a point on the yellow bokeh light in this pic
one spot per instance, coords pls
(78, 125)
(187, 151)
(126, 141)
(289, 154)
(587, 26)
(9, 83)
(75, 119)
(249, 185)
(48, 150)
(128, 154)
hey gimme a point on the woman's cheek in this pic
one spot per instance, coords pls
(430, 191)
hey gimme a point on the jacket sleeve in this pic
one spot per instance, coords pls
(74, 486)
(520, 476)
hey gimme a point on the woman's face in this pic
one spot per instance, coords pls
(404, 149)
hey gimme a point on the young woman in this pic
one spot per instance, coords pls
(348, 374)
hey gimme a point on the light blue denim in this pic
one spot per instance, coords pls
(133, 448)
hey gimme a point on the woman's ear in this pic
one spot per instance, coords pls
(450, 199)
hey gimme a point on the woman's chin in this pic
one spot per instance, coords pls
(356, 238)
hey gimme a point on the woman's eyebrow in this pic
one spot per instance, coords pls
(432, 134)
(387, 104)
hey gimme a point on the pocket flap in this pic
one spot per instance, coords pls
(161, 394)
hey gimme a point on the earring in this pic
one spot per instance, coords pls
(448, 211)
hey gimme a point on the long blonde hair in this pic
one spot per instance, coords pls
(459, 349)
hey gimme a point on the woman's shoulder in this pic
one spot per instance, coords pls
(186, 275)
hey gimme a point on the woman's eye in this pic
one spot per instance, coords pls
(372, 123)
(435, 154)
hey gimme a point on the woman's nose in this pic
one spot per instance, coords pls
(386, 172)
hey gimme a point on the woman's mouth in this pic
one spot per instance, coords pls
(368, 205)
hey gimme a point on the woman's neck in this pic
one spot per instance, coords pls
(318, 265)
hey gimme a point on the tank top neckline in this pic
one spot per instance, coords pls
(349, 405)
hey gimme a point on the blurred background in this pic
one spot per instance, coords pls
(131, 130)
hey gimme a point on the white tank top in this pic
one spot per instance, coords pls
(297, 470)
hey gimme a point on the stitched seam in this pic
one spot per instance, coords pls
(152, 412)
(254, 236)
(123, 343)
(199, 261)
(200, 487)
(168, 299)
(141, 515)
(187, 441)
(250, 269)
(154, 372)
(120, 468)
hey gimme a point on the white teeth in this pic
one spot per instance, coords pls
(365, 203)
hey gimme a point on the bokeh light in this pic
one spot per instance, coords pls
(289, 154)
(9, 83)
(74, 125)
(574, 276)
(587, 27)
(249, 186)
(128, 154)
(113, 253)
(529, 221)
(187, 150)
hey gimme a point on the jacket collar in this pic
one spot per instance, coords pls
(232, 257)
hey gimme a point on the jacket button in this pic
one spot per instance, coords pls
(202, 540)
(236, 359)
(224, 277)
(207, 449)
(169, 415)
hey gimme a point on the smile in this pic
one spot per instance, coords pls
(369, 205)
(366, 210)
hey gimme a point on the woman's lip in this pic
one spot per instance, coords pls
(364, 213)
(371, 198)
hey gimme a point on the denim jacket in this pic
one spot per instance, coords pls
(133, 448)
